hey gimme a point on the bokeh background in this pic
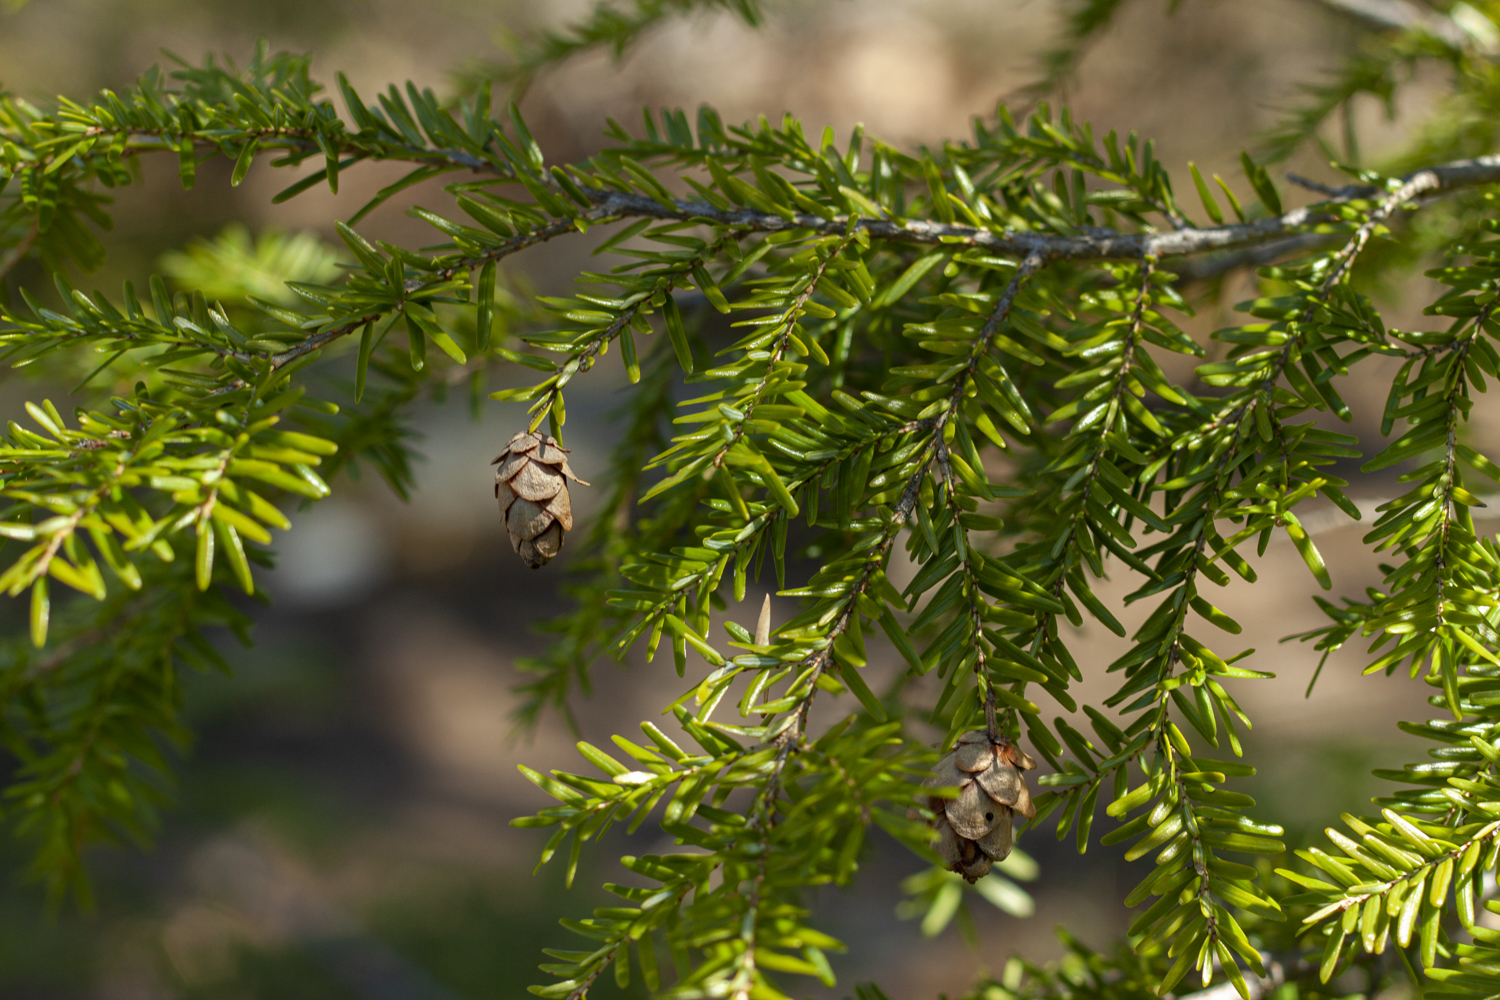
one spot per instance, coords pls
(340, 829)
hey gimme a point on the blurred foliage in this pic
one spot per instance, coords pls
(234, 266)
(938, 895)
(615, 26)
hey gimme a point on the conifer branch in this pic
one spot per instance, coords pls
(461, 267)
(894, 314)
(1098, 245)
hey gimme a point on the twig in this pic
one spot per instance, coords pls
(1212, 265)
(302, 141)
(1101, 244)
(539, 235)
(1318, 186)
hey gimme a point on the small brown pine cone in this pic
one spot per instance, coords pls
(976, 829)
(531, 484)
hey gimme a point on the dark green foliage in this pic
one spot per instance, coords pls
(1397, 873)
(956, 351)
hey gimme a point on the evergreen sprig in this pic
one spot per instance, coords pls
(953, 350)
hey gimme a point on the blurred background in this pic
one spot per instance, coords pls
(340, 829)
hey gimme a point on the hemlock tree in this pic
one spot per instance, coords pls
(904, 318)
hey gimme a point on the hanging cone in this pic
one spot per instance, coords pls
(531, 483)
(976, 829)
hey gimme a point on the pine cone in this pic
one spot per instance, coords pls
(532, 487)
(974, 830)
